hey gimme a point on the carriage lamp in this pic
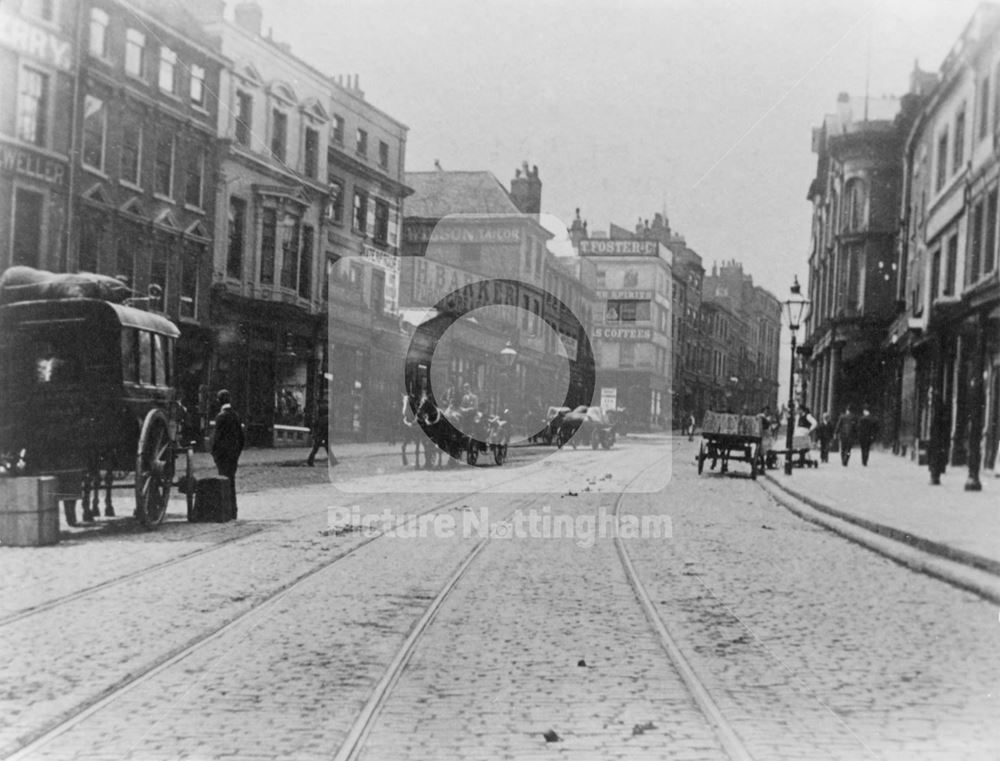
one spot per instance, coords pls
(797, 308)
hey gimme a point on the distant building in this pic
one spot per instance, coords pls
(745, 377)
(852, 263)
(305, 270)
(632, 332)
(463, 228)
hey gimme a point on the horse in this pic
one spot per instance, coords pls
(411, 428)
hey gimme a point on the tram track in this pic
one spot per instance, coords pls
(353, 747)
(37, 739)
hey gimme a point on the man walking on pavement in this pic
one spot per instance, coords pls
(824, 434)
(228, 442)
(846, 431)
(867, 431)
(321, 435)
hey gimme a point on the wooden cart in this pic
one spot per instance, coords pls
(726, 437)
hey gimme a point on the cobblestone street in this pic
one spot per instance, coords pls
(291, 635)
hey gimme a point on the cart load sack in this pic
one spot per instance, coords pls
(733, 425)
(20, 283)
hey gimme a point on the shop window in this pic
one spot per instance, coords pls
(27, 237)
(33, 107)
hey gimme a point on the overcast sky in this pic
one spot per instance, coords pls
(704, 107)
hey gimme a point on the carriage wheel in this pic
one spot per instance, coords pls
(701, 458)
(154, 470)
(472, 452)
(500, 453)
(608, 440)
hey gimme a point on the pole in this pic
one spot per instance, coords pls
(790, 422)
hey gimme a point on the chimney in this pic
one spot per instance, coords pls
(249, 16)
(526, 190)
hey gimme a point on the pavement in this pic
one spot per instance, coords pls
(891, 507)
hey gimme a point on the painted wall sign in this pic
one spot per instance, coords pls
(26, 38)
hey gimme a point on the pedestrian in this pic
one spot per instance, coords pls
(321, 435)
(867, 431)
(824, 435)
(228, 442)
(845, 432)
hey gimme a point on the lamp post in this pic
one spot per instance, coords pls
(797, 308)
(508, 356)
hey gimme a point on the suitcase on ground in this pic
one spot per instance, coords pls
(213, 501)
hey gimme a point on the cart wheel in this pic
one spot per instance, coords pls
(608, 440)
(701, 458)
(472, 452)
(499, 453)
(154, 470)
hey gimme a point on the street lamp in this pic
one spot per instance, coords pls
(797, 308)
(508, 355)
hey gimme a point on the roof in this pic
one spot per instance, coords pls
(439, 193)
(41, 311)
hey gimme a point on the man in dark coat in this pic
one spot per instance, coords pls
(846, 431)
(824, 434)
(228, 442)
(867, 431)
(321, 434)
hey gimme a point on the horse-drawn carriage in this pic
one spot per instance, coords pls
(589, 424)
(453, 432)
(87, 386)
(727, 437)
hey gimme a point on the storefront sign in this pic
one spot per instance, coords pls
(624, 334)
(34, 41)
(478, 233)
(624, 295)
(603, 247)
(609, 399)
(30, 164)
(383, 259)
